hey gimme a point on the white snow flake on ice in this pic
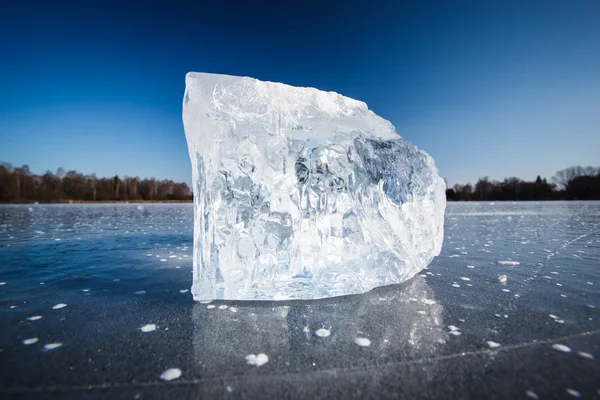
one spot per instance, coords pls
(140, 292)
(52, 346)
(148, 328)
(322, 332)
(30, 341)
(35, 318)
(561, 347)
(586, 355)
(257, 359)
(532, 395)
(508, 263)
(573, 392)
(184, 291)
(362, 342)
(464, 278)
(170, 374)
(502, 279)
(210, 306)
(493, 345)
(59, 306)
(222, 307)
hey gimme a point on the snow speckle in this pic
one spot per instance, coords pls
(59, 306)
(464, 278)
(52, 346)
(140, 292)
(493, 345)
(362, 342)
(586, 355)
(2, 283)
(148, 328)
(531, 394)
(184, 291)
(456, 285)
(322, 332)
(35, 318)
(222, 307)
(210, 306)
(170, 374)
(561, 347)
(257, 359)
(30, 341)
(508, 263)
(470, 266)
(502, 279)
(573, 392)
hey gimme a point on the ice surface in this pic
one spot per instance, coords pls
(300, 193)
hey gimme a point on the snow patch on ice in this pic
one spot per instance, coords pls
(322, 332)
(257, 359)
(561, 347)
(30, 341)
(148, 328)
(170, 374)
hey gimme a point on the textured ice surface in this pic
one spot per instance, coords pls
(300, 193)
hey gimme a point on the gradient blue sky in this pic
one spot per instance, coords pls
(497, 88)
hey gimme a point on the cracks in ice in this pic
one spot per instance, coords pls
(219, 379)
(537, 269)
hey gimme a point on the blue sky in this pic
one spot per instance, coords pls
(496, 88)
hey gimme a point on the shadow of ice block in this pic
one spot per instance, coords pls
(402, 322)
(303, 194)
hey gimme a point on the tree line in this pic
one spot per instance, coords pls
(19, 185)
(574, 183)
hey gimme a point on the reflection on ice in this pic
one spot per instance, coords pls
(398, 322)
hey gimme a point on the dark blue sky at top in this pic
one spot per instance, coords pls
(497, 88)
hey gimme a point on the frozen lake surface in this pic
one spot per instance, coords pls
(95, 303)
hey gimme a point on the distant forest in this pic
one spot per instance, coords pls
(19, 185)
(574, 183)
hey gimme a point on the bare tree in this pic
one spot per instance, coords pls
(563, 176)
